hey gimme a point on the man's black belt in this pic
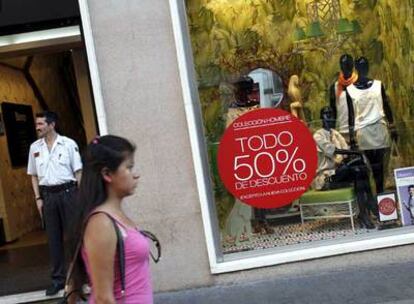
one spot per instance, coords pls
(57, 188)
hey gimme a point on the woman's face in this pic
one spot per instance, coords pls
(125, 179)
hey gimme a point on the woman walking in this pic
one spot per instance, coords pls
(108, 178)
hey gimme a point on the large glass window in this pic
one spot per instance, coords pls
(343, 67)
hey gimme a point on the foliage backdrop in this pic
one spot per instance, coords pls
(231, 37)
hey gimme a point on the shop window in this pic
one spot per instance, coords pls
(342, 68)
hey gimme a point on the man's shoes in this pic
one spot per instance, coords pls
(54, 289)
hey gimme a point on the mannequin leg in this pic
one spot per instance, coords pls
(260, 224)
(238, 226)
(365, 197)
(376, 160)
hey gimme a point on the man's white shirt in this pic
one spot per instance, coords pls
(57, 166)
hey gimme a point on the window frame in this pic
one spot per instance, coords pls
(220, 263)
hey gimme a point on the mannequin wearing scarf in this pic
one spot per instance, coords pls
(343, 110)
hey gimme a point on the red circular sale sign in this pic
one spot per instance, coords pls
(386, 206)
(267, 158)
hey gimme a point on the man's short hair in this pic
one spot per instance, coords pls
(49, 116)
(410, 187)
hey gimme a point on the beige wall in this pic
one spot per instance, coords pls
(142, 94)
(17, 207)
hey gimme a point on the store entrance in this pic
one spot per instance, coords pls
(42, 70)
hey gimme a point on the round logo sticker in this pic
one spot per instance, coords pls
(267, 158)
(386, 206)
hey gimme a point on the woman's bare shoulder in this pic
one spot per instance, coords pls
(99, 227)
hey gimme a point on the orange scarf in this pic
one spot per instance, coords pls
(343, 83)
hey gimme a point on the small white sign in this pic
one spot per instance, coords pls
(387, 207)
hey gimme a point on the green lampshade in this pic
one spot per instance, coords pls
(356, 26)
(299, 34)
(314, 30)
(344, 26)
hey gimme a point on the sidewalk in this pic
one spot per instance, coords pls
(391, 284)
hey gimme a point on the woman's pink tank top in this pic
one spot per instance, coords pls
(138, 288)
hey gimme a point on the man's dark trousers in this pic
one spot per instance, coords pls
(57, 213)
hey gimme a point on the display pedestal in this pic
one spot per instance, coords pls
(332, 204)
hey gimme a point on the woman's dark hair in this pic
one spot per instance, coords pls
(106, 152)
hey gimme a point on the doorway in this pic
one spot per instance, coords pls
(41, 70)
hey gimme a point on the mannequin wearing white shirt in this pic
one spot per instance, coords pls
(373, 121)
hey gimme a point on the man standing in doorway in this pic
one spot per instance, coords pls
(55, 168)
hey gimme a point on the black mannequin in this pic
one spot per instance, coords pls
(346, 64)
(362, 66)
(328, 118)
(375, 156)
(351, 171)
(363, 82)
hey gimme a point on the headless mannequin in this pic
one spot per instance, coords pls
(375, 156)
(343, 110)
(351, 171)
